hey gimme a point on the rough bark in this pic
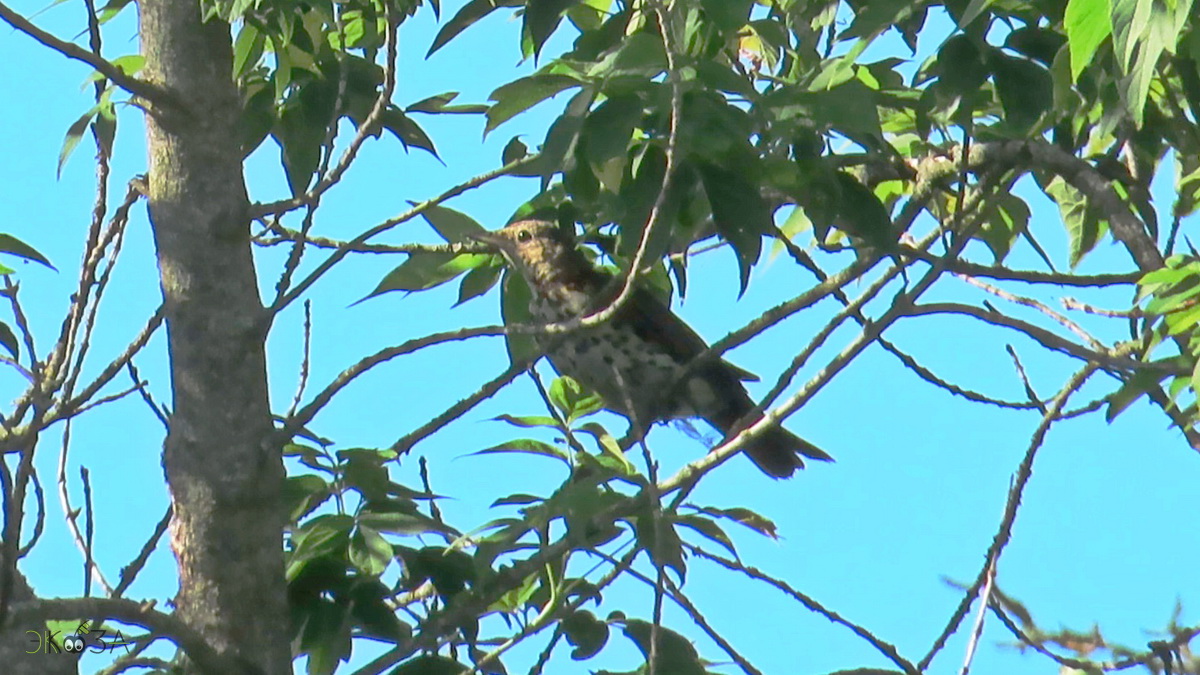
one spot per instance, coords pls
(223, 476)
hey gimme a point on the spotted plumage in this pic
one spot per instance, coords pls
(633, 360)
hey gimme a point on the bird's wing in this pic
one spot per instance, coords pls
(654, 322)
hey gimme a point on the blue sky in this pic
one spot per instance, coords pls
(915, 495)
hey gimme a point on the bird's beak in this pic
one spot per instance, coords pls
(492, 239)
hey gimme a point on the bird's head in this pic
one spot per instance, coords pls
(540, 250)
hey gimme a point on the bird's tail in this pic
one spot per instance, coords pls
(777, 452)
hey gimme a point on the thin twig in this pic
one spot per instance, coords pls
(1025, 381)
(886, 648)
(971, 269)
(112, 368)
(144, 391)
(305, 361)
(130, 571)
(1004, 532)
(335, 257)
(39, 523)
(1041, 307)
(365, 130)
(1132, 312)
(146, 90)
(71, 513)
(89, 531)
(435, 511)
(1046, 338)
(549, 614)
(977, 630)
(11, 291)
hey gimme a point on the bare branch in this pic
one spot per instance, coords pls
(1042, 336)
(64, 408)
(1004, 533)
(886, 648)
(1027, 276)
(130, 571)
(335, 257)
(141, 88)
(1041, 307)
(71, 514)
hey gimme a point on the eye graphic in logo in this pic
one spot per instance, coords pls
(74, 644)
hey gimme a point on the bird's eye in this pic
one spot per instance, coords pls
(524, 236)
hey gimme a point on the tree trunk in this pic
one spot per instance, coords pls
(223, 476)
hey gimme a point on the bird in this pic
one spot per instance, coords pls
(635, 360)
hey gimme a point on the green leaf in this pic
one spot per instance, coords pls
(1085, 227)
(247, 49)
(525, 446)
(1187, 183)
(674, 653)
(1025, 89)
(104, 126)
(514, 310)
(862, 215)
(449, 570)
(1004, 219)
(470, 13)
(740, 214)
(541, 18)
(369, 552)
(370, 610)
(396, 522)
(408, 131)
(1134, 388)
(440, 104)
(303, 494)
(728, 15)
(322, 536)
(520, 95)
(518, 499)
(431, 664)
(1088, 24)
(657, 536)
(10, 244)
(570, 397)
(513, 150)
(8, 339)
(422, 271)
(479, 281)
(300, 131)
(529, 421)
(589, 15)
(709, 529)
(640, 55)
(973, 11)
(74, 135)
(326, 637)
(606, 135)
(1142, 31)
(961, 66)
(610, 447)
(585, 633)
(452, 226)
(363, 470)
(743, 516)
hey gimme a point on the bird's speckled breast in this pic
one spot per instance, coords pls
(614, 362)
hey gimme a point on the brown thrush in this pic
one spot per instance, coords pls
(637, 357)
